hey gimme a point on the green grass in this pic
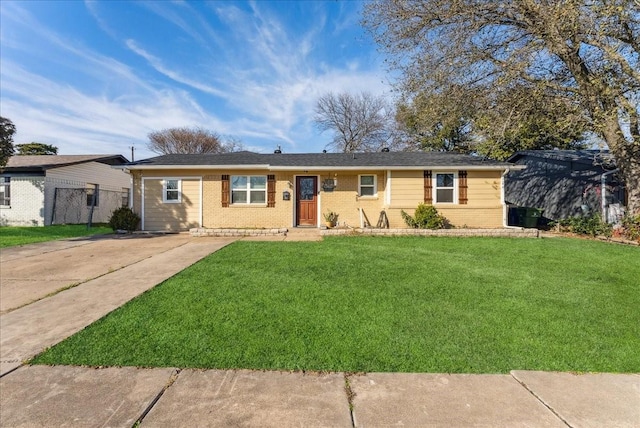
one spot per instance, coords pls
(12, 236)
(457, 305)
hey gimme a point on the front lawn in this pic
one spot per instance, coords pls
(411, 304)
(11, 236)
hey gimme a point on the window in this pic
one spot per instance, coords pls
(248, 189)
(5, 191)
(125, 196)
(367, 185)
(445, 188)
(92, 195)
(171, 192)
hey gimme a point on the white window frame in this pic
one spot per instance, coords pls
(5, 182)
(248, 189)
(165, 190)
(375, 185)
(454, 188)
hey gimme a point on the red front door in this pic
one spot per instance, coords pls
(306, 201)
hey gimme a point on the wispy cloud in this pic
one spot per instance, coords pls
(248, 73)
(158, 65)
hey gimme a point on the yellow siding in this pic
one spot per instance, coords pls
(407, 188)
(345, 201)
(171, 216)
(483, 188)
(484, 207)
(247, 216)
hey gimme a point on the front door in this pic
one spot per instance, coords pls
(306, 201)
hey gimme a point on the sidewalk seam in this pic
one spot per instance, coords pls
(537, 397)
(172, 379)
(350, 396)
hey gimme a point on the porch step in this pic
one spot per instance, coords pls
(304, 234)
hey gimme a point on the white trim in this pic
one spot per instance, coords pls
(295, 199)
(387, 190)
(201, 202)
(142, 202)
(195, 166)
(434, 186)
(327, 167)
(248, 190)
(375, 186)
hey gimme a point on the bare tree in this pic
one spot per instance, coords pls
(190, 140)
(584, 52)
(360, 123)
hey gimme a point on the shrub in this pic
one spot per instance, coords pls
(425, 217)
(124, 219)
(591, 225)
(631, 227)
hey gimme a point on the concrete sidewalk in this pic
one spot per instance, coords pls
(41, 396)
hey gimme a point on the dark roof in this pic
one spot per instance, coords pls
(323, 160)
(43, 162)
(600, 158)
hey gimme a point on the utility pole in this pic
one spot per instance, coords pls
(132, 149)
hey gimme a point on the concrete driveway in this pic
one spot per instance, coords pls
(49, 291)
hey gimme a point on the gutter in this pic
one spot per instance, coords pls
(322, 168)
(603, 193)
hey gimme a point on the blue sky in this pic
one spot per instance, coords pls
(97, 77)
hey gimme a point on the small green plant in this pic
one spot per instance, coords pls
(331, 217)
(631, 227)
(591, 225)
(124, 219)
(425, 217)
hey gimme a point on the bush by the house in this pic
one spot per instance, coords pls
(425, 217)
(591, 225)
(124, 219)
(631, 227)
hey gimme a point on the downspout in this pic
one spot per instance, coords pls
(603, 193)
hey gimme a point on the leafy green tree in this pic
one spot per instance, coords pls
(586, 53)
(34, 148)
(433, 122)
(7, 130)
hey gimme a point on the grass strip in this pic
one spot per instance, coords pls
(11, 236)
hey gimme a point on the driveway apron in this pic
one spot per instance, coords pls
(110, 273)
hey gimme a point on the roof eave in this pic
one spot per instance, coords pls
(322, 167)
(184, 167)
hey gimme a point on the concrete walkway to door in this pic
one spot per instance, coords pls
(50, 291)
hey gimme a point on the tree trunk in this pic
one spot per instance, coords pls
(627, 156)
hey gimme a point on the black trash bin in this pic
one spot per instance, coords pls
(531, 217)
(517, 216)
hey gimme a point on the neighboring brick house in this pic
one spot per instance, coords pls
(251, 190)
(61, 189)
(566, 183)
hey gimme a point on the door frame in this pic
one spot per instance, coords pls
(295, 198)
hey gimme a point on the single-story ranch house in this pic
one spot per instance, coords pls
(251, 190)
